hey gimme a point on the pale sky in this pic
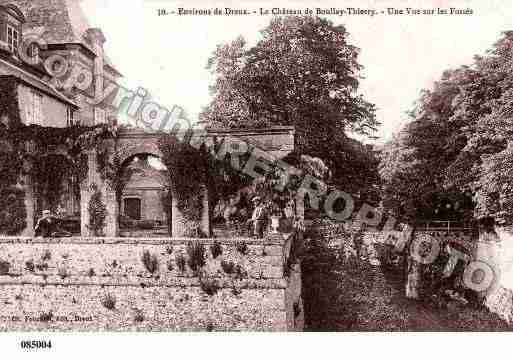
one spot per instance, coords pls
(401, 54)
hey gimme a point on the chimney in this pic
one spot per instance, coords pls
(97, 39)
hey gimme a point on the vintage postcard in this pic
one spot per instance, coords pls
(257, 166)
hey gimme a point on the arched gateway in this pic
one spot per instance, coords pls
(276, 142)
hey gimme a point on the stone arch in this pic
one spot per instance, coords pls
(131, 143)
(129, 146)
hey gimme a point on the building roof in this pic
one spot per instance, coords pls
(40, 86)
(62, 19)
(14, 11)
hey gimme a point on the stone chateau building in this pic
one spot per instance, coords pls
(62, 29)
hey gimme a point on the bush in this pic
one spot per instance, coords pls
(240, 273)
(228, 267)
(196, 252)
(62, 272)
(29, 265)
(236, 291)
(150, 262)
(139, 316)
(209, 285)
(47, 255)
(109, 302)
(216, 250)
(242, 248)
(193, 230)
(187, 167)
(12, 211)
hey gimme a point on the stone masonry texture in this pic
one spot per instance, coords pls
(104, 284)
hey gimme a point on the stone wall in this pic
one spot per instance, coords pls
(337, 236)
(496, 248)
(103, 284)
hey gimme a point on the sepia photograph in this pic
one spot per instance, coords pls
(180, 168)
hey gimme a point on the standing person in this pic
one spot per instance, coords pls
(46, 225)
(258, 218)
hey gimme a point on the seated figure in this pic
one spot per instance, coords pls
(46, 226)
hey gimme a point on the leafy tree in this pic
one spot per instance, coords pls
(414, 164)
(118, 173)
(457, 146)
(302, 73)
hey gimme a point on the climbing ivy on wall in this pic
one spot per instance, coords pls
(51, 155)
(10, 162)
(46, 155)
(97, 212)
(188, 171)
(12, 210)
(12, 207)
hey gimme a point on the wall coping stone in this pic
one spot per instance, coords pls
(139, 240)
(120, 281)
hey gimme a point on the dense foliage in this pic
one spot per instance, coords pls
(13, 213)
(97, 212)
(45, 157)
(188, 173)
(302, 73)
(454, 158)
(48, 156)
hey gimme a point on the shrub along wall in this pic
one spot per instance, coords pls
(148, 284)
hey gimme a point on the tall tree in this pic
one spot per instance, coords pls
(457, 146)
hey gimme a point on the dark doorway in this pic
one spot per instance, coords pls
(133, 208)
